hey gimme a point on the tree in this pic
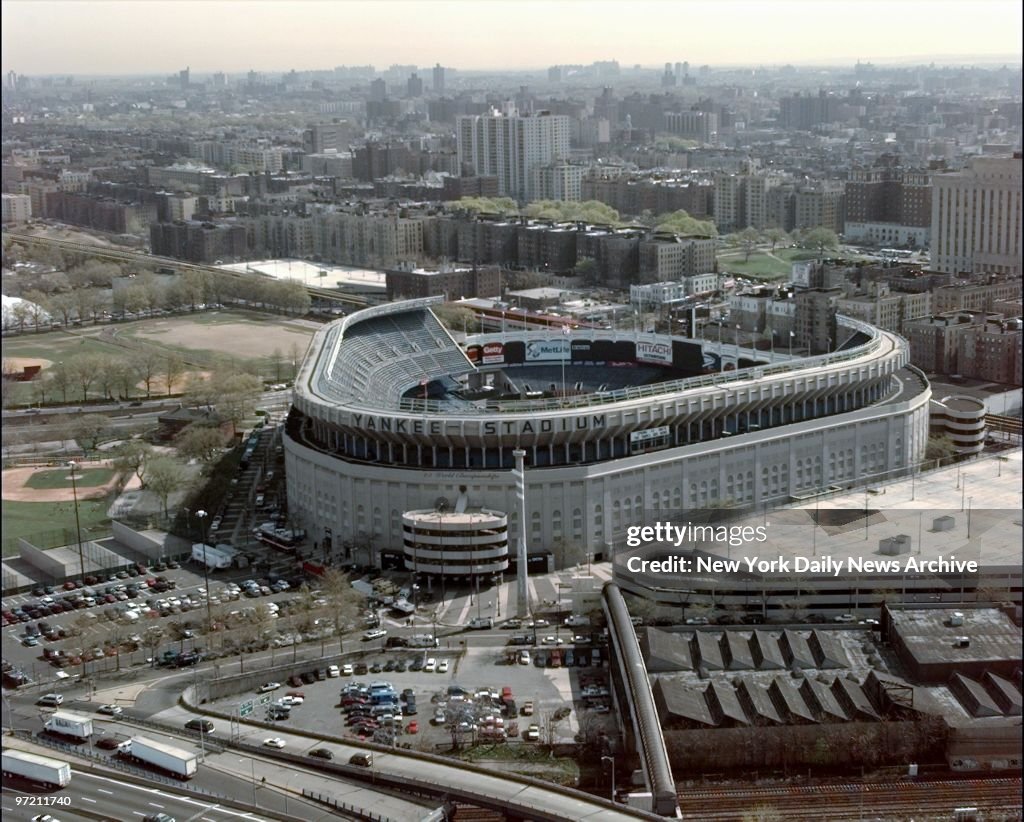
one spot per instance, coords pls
(21, 313)
(164, 476)
(174, 370)
(237, 396)
(276, 362)
(200, 391)
(456, 318)
(88, 429)
(151, 639)
(85, 369)
(820, 239)
(748, 239)
(86, 301)
(131, 457)
(775, 236)
(940, 447)
(680, 222)
(202, 443)
(38, 307)
(63, 305)
(343, 601)
(147, 365)
(125, 377)
(62, 377)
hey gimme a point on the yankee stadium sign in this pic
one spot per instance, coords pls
(441, 428)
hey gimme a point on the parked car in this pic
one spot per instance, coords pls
(321, 753)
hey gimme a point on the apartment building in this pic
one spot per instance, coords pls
(976, 217)
(17, 208)
(509, 145)
(558, 181)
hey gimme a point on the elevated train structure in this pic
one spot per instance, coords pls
(169, 264)
(391, 414)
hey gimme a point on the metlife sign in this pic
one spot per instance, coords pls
(540, 350)
(660, 353)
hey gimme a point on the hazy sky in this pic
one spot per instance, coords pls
(142, 36)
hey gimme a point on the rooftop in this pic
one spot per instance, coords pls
(930, 637)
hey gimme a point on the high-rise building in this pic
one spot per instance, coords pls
(509, 146)
(414, 86)
(976, 217)
(378, 90)
(558, 181)
(438, 79)
(323, 137)
(183, 78)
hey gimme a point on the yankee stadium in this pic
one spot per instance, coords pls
(400, 440)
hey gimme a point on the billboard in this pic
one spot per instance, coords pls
(493, 352)
(473, 353)
(654, 352)
(581, 351)
(544, 350)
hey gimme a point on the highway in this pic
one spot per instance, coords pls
(125, 255)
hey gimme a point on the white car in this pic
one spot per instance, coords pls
(845, 618)
(290, 701)
(442, 666)
(266, 687)
(376, 633)
(274, 742)
(110, 710)
(346, 670)
(550, 640)
(333, 671)
(430, 666)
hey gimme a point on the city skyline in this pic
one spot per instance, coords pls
(81, 37)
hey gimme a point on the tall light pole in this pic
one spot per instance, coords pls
(612, 760)
(78, 525)
(201, 515)
(252, 766)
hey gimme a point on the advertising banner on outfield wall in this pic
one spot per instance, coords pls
(541, 350)
(581, 351)
(473, 353)
(660, 353)
(493, 352)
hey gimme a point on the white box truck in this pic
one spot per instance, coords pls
(70, 724)
(164, 757)
(41, 770)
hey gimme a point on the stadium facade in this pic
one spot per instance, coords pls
(391, 415)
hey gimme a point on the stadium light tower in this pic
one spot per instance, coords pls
(78, 525)
(522, 594)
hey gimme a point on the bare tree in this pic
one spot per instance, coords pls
(147, 365)
(344, 602)
(174, 370)
(131, 457)
(86, 368)
(164, 476)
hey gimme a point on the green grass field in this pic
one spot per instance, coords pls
(763, 265)
(61, 478)
(46, 520)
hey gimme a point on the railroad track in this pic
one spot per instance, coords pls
(996, 799)
(471, 813)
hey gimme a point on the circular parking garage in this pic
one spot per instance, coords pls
(469, 543)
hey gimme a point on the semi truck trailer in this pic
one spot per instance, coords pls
(41, 770)
(164, 757)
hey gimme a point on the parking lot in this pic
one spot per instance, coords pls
(480, 698)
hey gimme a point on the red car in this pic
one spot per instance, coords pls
(412, 728)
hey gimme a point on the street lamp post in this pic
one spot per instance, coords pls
(78, 525)
(611, 759)
(201, 515)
